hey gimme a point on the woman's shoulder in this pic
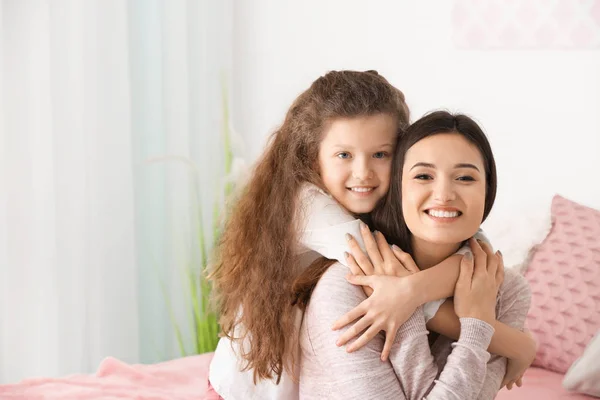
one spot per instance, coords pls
(514, 282)
(336, 292)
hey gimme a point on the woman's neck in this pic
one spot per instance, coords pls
(427, 254)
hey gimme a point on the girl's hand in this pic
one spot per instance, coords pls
(392, 303)
(478, 283)
(515, 368)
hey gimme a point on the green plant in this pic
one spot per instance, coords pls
(203, 319)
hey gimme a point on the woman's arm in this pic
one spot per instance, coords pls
(330, 371)
(512, 307)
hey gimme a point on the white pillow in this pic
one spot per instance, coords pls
(584, 374)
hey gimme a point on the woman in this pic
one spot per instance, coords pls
(447, 189)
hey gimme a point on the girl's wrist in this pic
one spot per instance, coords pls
(415, 286)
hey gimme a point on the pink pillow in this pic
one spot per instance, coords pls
(564, 275)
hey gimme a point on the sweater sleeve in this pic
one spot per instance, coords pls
(323, 224)
(514, 299)
(409, 373)
(464, 372)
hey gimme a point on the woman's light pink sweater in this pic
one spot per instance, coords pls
(448, 370)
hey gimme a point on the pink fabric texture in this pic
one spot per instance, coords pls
(539, 383)
(181, 379)
(564, 275)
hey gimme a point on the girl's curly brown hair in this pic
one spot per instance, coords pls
(255, 259)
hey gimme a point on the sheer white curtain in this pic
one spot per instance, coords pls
(90, 91)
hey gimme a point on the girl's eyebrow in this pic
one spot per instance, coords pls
(429, 165)
(348, 147)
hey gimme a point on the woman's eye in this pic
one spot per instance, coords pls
(466, 178)
(343, 154)
(380, 154)
(423, 177)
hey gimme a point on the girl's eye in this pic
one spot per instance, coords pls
(380, 154)
(343, 155)
(424, 177)
(466, 178)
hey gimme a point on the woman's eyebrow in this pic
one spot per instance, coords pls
(467, 165)
(429, 165)
(423, 164)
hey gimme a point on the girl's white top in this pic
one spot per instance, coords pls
(322, 225)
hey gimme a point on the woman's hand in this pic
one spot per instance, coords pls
(392, 301)
(380, 258)
(481, 274)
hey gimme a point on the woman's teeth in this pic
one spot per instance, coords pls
(443, 214)
(361, 189)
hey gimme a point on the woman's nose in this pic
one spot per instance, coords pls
(444, 191)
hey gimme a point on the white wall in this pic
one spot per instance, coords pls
(540, 108)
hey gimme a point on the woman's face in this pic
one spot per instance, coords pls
(443, 189)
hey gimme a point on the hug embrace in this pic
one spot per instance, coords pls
(352, 264)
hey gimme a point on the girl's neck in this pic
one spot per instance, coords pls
(427, 254)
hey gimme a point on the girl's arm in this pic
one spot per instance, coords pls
(322, 224)
(507, 341)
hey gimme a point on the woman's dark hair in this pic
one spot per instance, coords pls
(388, 215)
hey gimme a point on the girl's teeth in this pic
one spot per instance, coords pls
(362, 190)
(443, 214)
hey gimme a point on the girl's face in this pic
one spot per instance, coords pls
(443, 189)
(355, 160)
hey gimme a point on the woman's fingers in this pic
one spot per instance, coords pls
(492, 259)
(360, 280)
(371, 245)
(384, 247)
(500, 270)
(389, 341)
(364, 338)
(465, 275)
(354, 267)
(479, 258)
(361, 259)
(351, 315)
(354, 330)
(406, 260)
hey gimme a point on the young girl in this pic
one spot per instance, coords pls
(329, 162)
(274, 230)
(446, 190)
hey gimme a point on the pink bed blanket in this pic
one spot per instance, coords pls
(182, 379)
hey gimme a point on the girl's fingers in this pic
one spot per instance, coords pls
(354, 267)
(361, 259)
(405, 259)
(364, 338)
(354, 331)
(520, 381)
(370, 245)
(389, 341)
(351, 315)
